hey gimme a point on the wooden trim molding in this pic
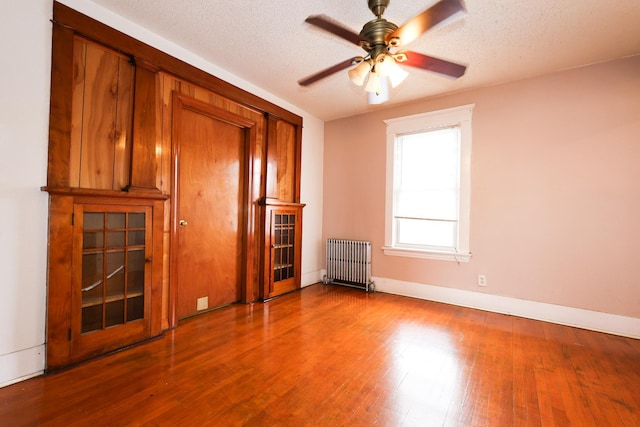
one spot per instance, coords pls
(91, 192)
(60, 107)
(143, 158)
(268, 201)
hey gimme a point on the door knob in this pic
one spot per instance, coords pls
(183, 223)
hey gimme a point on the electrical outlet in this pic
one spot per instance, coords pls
(202, 304)
(482, 280)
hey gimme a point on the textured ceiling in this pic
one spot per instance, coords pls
(269, 44)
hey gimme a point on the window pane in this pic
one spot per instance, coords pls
(427, 184)
(429, 160)
(427, 188)
(431, 233)
(427, 204)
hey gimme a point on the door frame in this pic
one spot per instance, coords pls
(251, 180)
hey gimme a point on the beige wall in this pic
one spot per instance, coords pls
(555, 196)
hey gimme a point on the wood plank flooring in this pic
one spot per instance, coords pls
(336, 356)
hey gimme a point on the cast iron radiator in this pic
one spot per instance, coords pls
(349, 263)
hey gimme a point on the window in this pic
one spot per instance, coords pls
(428, 185)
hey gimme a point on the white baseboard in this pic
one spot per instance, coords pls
(21, 365)
(569, 316)
(311, 277)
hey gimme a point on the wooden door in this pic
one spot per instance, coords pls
(209, 199)
(111, 277)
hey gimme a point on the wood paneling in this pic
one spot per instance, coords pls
(100, 145)
(111, 124)
(144, 167)
(331, 355)
(282, 161)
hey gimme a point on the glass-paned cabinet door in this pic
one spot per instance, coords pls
(115, 245)
(284, 230)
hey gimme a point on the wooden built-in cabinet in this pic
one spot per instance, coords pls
(282, 249)
(105, 268)
(113, 184)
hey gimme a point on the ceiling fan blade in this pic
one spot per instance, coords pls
(426, 20)
(328, 71)
(436, 65)
(334, 27)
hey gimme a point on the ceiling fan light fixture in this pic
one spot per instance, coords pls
(386, 66)
(359, 73)
(383, 64)
(373, 83)
(382, 94)
(396, 74)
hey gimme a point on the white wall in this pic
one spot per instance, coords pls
(311, 194)
(25, 41)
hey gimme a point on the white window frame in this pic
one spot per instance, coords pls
(457, 116)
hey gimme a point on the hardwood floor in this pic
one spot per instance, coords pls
(329, 355)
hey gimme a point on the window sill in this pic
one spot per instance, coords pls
(426, 254)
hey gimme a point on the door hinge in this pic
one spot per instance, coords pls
(69, 334)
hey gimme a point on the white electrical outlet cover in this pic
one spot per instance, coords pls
(202, 303)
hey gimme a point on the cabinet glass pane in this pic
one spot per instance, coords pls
(92, 275)
(93, 221)
(135, 308)
(115, 239)
(115, 313)
(115, 220)
(115, 274)
(136, 237)
(93, 240)
(136, 220)
(136, 270)
(91, 318)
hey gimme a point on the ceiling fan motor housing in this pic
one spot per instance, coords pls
(375, 33)
(378, 6)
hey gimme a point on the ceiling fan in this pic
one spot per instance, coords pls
(378, 37)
